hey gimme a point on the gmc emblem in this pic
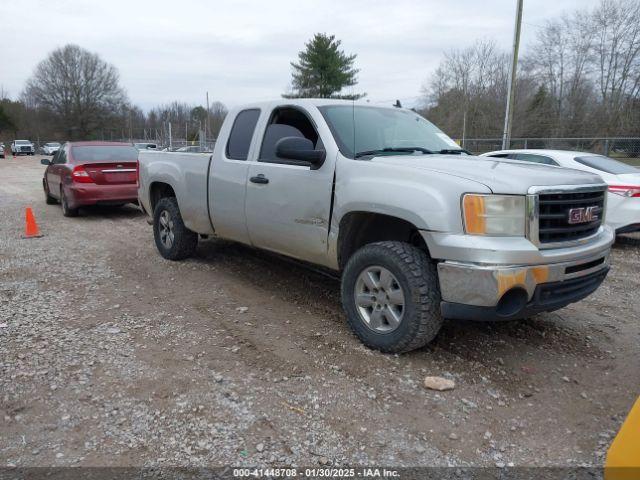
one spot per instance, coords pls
(583, 215)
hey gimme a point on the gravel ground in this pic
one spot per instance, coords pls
(110, 355)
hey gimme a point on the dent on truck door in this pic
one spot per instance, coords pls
(290, 213)
(288, 205)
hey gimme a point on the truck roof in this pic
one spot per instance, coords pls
(304, 102)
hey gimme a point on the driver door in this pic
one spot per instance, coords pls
(287, 203)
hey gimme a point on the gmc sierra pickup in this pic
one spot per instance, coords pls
(418, 229)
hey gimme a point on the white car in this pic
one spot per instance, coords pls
(2, 150)
(50, 148)
(623, 200)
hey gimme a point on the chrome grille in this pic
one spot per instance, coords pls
(555, 210)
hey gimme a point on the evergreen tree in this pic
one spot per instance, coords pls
(6, 122)
(323, 70)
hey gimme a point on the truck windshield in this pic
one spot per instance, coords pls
(366, 131)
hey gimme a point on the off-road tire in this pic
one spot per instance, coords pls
(66, 210)
(185, 241)
(417, 275)
(49, 200)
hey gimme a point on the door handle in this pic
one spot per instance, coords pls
(259, 179)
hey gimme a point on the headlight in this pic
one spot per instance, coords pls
(494, 215)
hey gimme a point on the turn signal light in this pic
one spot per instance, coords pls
(80, 175)
(474, 217)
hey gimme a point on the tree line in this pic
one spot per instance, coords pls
(75, 95)
(580, 78)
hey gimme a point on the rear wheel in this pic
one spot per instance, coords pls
(173, 240)
(47, 196)
(66, 210)
(391, 295)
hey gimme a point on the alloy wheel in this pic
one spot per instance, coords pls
(167, 235)
(379, 299)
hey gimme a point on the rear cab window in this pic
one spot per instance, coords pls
(241, 134)
(606, 164)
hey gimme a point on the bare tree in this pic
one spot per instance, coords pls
(560, 62)
(217, 114)
(79, 89)
(465, 94)
(616, 58)
(580, 77)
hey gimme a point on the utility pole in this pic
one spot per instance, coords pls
(130, 127)
(511, 95)
(206, 122)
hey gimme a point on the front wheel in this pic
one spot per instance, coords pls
(173, 240)
(391, 295)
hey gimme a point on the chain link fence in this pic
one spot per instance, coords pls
(616, 147)
(160, 142)
(611, 147)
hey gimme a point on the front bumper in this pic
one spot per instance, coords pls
(494, 292)
(547, 297)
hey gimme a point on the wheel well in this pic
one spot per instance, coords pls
(358, 229)
(158, 191)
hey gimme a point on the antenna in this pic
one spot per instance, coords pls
(353, 119)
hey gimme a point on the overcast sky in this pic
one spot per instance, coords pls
(239, 50)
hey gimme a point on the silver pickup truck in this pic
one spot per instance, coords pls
(419, 229)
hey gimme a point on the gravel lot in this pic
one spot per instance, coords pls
(110, 355)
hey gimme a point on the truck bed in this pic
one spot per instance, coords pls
(188, 172)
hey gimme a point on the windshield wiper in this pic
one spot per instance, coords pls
(394, 149)
(454, 151)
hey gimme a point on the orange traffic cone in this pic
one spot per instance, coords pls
(31, 228)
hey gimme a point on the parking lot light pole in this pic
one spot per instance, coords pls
(511, 94)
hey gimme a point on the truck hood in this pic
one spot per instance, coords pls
(501, 176)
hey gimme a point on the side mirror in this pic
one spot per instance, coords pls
(301, 149)
(45, 161)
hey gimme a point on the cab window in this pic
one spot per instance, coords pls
(242, 133)
(287, 122)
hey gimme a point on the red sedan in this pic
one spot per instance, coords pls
(91, 173)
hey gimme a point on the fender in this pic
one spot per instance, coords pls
(185, 174)
(428, 200)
